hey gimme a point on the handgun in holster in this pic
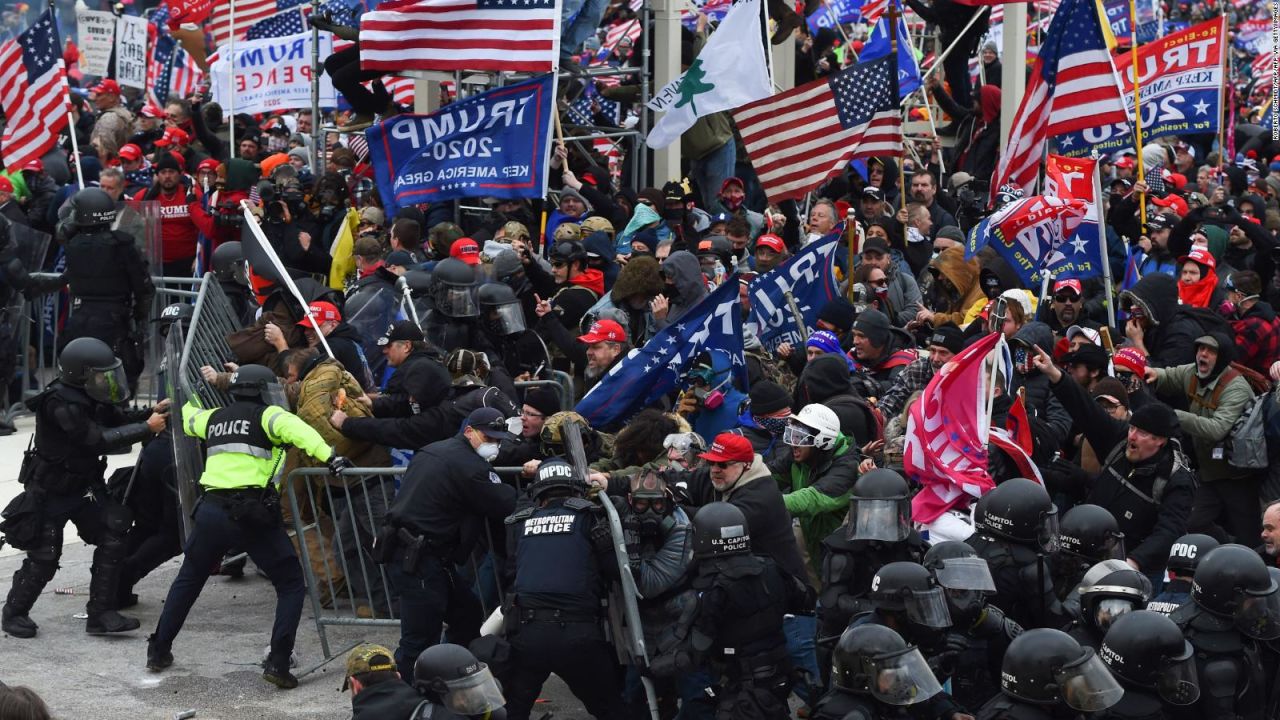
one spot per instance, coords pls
(412, 546)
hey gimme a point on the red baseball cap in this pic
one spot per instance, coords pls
(107, 87)
(5, 184)
(604, 331)
(1200, 255)
(173, 136)
(1130, 359)
(36, 165)
(771, 241)
(1073, 284)
(1173, 202)
(1125, 162)
(323, 312)
(208, 164)
(729, 447)
(151, 111)
(130, 152)
(466, 250)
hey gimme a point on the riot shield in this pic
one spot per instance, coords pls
(141, 221)
(188, 458)
(29, 247)
(624, 608)
(371, 310)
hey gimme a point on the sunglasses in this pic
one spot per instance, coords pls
(879, 283)
(725, 464)
(1066, 297)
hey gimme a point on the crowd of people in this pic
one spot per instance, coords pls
(1126, 565)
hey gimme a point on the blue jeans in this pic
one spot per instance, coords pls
(712, 170)
(801, 631)
(579, 20)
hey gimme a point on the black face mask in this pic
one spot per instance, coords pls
(674, 216)
(672, 292)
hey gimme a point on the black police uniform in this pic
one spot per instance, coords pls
(73, 431)
(1024, 585)
(1176, 593)
(156, 534)
(1003, 707)
(981, 644)
(112, 292)
(1228, 664)
(435, 521)
(563, 554)
(842, 705)
(388, 700)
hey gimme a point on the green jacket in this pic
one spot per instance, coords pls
(228, 470)
(1207, 427)
(818, 495)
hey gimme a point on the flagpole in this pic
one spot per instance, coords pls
(231, 89)
(902, 151)
(1223, 95)
(66, 88)
(315, 91)
(1137, 110)
(839, 25)
(1103, 255)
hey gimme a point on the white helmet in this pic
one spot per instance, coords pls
(816, 425)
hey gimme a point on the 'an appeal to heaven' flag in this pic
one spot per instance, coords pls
(512, 35)
(1028, 233)
(489, 145)
(799, 138)
(648, 373)
(729, 72)
(1181, 78)
(808, 276)
(32, 92)
(1073, 87)
(1081, 255)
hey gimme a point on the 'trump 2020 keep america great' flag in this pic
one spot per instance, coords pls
(1073, 87)
(799, 138)
(31, 92)
(513, 35)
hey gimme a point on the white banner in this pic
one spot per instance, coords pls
(131, 52)
(270, 74)
(97, 40)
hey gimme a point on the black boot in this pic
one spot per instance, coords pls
(276, 672)
(17, 624)
(158, 658)
(101, 608)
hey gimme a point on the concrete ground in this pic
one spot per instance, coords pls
(215, 671)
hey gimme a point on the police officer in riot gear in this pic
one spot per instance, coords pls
(980, 633)
(232, 273)
(1147, 654)
(1016, 528)
(451, 323)
(735, 622)
(1184, 556)
(455, 685)
(1108, 591)
(240, 508)
(109, 280)
(1234, 605)
(78, 419)
(1087, 535)
(503, 322)
(14, 279)
(879, 532)
(876, 675)
(1047, 675)
(563, 554)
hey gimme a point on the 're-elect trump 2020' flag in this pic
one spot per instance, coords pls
(489, 145)
(648, 373)
(808, 276)
(1029, 233)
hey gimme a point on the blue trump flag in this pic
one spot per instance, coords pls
(878, 46)
(489, 145)
(836, 12)
(1032, 235)
(808, 276)
(648, 373)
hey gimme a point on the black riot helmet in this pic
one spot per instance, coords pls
(177, 313)
(556, 474)
(1186, 551)
(1146, 649)
(964, 576)
(874, 660)
(880, 507)
(909, 588)
(1106, 593)
(1232, 581)
(720, 529)
(252, 381)
(1048, 667)
(453, 288)
(93, 209)
(568, 252)
(452, 676)
(1090, 532)
(229, 264)
(1019, 510)
(419, 282)
(500, 309)
(89, 364)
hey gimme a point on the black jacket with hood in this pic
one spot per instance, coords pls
(1041, 405)
(826, 380)
(1170, 341)
(685, 275)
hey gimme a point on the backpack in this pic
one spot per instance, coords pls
(875, 418)
(1246, 444)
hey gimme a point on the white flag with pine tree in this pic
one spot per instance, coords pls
(731, 71)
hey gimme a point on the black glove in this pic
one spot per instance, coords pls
(338, 463)
(601, 537)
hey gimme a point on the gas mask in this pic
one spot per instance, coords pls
(710, 396)
(650, 510)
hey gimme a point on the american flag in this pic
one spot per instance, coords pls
(289, 22)
(1073, 87)
(873, 9)
(628, 30)
(1261, 66)
(32, 92)
(248, 14)
(799, 138)
(513, 35)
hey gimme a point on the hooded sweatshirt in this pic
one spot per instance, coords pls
(643, 217)
(963, 276)
(826, 380)
(1040, 401)
(686, 275)
(1171, 340)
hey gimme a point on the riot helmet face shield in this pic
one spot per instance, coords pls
(1178, 683)
(886, 519)
(474, 694)
(107, 385)
(904, 679)
(1087, 685)
(928, 608)
(1259, 614)
(456, 301)
(965, 574)
(507, 319)
(1047, 535)
(240, 272)
(1110, 609)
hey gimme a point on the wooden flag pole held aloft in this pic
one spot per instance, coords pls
(1137, 110)
(902, 151)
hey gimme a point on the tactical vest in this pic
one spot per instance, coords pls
(843, 705)
(238, 428)
(1003, 707)
(555, 560)
(755, 603)
(96, 266)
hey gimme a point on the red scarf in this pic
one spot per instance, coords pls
(1198, 293)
